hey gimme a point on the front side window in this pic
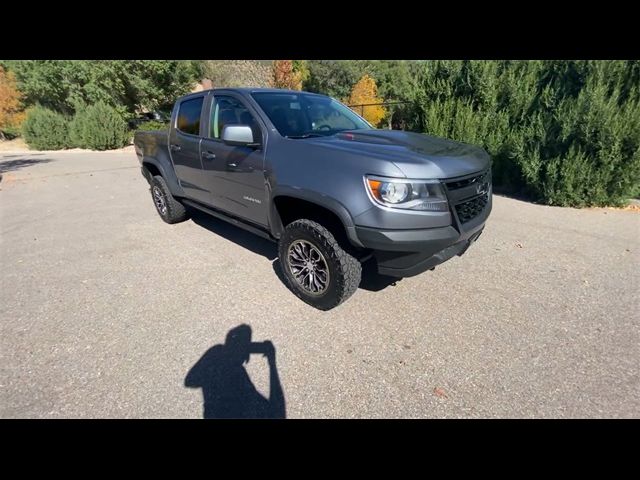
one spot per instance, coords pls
(231, 111)
(304, 115)
(189, 116)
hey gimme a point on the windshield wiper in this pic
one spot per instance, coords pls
(306, 135)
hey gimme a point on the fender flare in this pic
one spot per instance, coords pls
(167, 173)
(319, 199)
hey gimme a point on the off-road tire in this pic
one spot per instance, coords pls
(175, 211)
(344, 270)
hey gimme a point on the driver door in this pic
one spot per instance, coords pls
(235, 174)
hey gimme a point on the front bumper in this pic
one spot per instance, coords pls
(397, 264)
(405, 253)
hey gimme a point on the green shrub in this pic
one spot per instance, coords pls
(76, 124)
(593, 157)
(99, 127)
(153, 125)
(44, 129)
(562, 132)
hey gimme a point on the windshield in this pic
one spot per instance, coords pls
(301, 115)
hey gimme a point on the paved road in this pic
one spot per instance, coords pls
(105, 309)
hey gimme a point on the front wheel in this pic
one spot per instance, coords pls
(316, 268)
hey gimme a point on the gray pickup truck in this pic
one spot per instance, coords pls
(306, 171)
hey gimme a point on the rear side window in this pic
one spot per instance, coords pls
(189, 116)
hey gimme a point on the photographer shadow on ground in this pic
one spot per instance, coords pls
(227, 389)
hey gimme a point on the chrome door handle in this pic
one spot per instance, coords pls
(232, 165)
(208, 155)
(175, 148)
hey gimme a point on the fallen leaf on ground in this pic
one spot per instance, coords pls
(440, 392)
(519, 245)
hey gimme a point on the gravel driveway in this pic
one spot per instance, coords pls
(105, 309)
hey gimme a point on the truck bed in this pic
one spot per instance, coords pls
(149, 141)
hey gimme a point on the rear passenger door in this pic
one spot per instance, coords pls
(184, 145)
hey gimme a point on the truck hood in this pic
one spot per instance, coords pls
(416, 155)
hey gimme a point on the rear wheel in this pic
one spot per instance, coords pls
(316, 268)
(169, 209)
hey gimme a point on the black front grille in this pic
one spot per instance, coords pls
(457, 184)
(471, 208)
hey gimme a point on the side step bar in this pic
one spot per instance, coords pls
(227, 218)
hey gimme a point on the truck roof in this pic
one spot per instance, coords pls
(262, 89)
(248, 90)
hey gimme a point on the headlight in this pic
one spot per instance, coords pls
(407, 194)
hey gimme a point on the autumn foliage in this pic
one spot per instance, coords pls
(11, 114)
(366, 92)
(285, 76)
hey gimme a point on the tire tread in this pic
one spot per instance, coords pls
(349, 268)
(176, 211)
